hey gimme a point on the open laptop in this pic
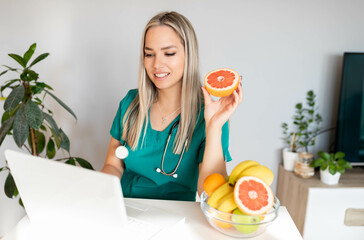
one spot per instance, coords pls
(68, 202)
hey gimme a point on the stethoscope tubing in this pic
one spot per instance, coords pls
(122, 152)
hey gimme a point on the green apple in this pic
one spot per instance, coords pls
(242, 218)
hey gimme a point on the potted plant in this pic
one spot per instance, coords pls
(306, 126)
(332, 165)
(27, 118)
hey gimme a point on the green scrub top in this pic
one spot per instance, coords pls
(140, 179)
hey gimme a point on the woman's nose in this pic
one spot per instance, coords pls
(158, 61)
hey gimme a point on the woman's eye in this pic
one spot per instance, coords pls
(170, 54)
(148, 55)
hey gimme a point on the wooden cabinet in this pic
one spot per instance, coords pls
(322, 211)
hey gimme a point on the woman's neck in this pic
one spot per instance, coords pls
(169, 99)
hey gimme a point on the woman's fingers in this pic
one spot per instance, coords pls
(240, 93)
(206, 96)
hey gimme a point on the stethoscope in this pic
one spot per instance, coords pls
(122, 152)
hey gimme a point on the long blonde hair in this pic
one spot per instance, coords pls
(136, 115)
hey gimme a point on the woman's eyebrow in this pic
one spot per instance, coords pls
(164, 48)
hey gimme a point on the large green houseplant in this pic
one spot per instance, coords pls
(29, 120)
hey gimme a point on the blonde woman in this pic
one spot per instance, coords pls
(175, 133)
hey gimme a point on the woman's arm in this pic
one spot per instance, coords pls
(113, 165)
(213, 158)
(216, 114)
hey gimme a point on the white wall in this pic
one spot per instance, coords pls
(282, 48)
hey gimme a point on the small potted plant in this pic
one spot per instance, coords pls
(332, 165)
(306, 126)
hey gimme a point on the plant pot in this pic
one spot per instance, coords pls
(289, 158)
(327, 178)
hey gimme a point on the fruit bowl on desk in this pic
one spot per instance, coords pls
(238, 225)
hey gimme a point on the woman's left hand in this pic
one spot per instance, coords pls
(218, 112)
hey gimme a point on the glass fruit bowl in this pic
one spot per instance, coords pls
(236, 225)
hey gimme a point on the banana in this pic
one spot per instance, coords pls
(218, 194)
(227, 203)
(234, 175)
(261, 172)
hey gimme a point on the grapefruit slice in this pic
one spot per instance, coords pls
(221, 82)
(253, 196)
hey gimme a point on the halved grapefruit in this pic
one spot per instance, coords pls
(221, 82)
(253, 196)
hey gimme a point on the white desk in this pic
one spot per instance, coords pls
(196, 226)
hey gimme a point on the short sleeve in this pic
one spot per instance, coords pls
(117, 125)
(224, 144)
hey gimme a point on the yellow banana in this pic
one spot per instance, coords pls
(227, 203)
(218, 194)
(234, 175)
(261, 172)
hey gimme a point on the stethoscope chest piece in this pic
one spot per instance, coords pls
(121, 152)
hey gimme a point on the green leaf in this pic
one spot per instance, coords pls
(29, 53)
(341, 162)
(57, 138)
(83, 163)
(341, 169)
(20, 127)
(62, 104)
(65, 142)
(18, 58)
(38, 59)
(339, 155)
(9, 186)
(71, 161)
(16, 192)
(33, 114)
(2, 168)
(14, 98)
(323, 166)
(6, 116)
(21, 202)
(324, 155)
(332, 169)
(5, 128)
(51, 122)
(348, 165)
(41, 141)
(8, 83)
(299, 106)
(11, 69)
(28, 75)
(2, 73)
(51, 151)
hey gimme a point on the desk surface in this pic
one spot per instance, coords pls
(195, 227)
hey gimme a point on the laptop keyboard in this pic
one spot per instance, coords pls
(140, 229)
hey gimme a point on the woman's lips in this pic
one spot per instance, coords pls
(161, 76)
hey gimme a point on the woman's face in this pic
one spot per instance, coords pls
(164, 57)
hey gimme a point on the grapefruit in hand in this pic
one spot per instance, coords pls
(221, 82)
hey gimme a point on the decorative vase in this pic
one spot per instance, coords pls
(289, 159)
(327, 178)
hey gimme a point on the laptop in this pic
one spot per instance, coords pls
(69, 202)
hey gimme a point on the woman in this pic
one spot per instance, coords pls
(170, 99)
